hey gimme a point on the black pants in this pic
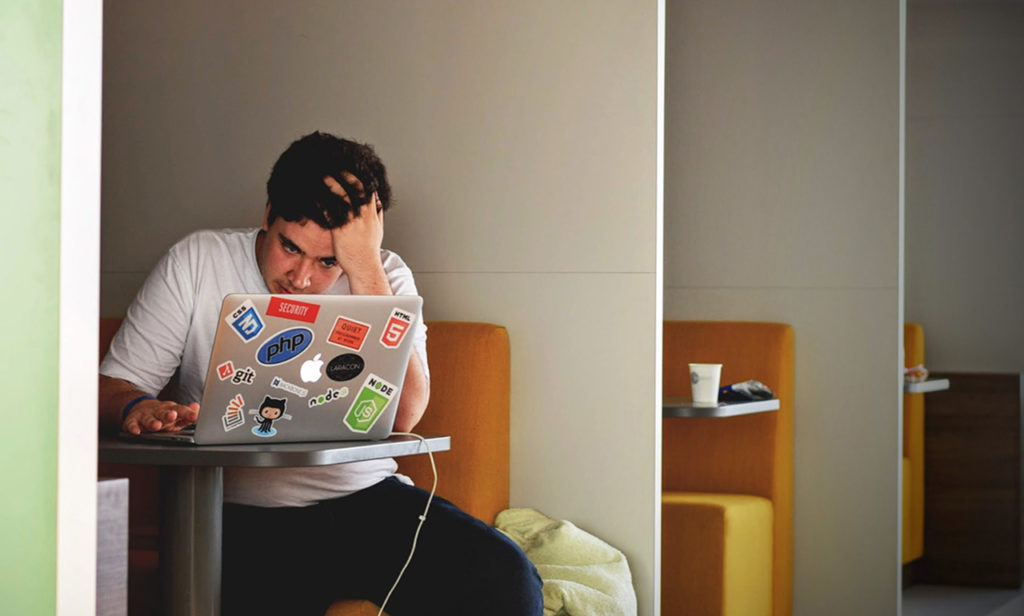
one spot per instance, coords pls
(296, 561)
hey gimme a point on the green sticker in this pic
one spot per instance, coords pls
(369, 405)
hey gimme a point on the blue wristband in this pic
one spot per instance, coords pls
(128, 407)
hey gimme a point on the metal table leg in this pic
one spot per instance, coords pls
(192, 502)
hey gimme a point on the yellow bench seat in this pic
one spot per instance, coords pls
(733, 535)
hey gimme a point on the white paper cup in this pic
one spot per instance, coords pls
(704, 379)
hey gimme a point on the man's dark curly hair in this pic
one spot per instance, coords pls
(296, 189)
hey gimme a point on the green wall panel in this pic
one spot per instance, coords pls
(30, 116)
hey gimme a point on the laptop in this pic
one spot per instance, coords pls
(304, 368)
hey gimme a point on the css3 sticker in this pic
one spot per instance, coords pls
(369, 404)
(245, 321)
(398, 325)
(284, 346)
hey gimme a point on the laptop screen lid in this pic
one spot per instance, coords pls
(307, 368)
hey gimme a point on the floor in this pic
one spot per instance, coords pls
(928, 600)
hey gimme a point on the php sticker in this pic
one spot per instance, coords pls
(345, 367)
(233, 415)
(280, 383)
(369, 404)
(225, 370)
(398, 325)
(292, 309)
(245, 321)
(284, 346)
(349, 333)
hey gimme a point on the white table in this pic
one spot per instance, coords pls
(192, 500)
(682, 407)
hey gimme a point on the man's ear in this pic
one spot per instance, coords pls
(266, 218)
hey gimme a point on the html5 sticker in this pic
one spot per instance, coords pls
(245, 321)
(398, 325)
(348, 333)
(292, 309)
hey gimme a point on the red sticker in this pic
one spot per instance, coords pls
(398, 325)
(348, 333)
(291, 309)
(225, 370)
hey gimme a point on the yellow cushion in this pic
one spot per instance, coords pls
(732, 535)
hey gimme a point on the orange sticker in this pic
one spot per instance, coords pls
(348, 333)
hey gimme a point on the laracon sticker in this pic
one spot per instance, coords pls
(233, 415)
(271, 410)
(245, 321)
(328, 396)
(345, 367)
(348, 333)
(225, 370)
(292, 309)
(279, 383)
(284, 346)
(398, 325)
(369, 404)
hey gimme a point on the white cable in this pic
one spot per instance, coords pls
(423, 518)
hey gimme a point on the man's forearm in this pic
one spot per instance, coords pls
(114, 394)
(415, 395)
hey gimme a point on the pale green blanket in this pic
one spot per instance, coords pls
(583, 576)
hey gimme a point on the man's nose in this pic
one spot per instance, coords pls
(301, 274)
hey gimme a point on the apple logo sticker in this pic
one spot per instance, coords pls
(310, 371)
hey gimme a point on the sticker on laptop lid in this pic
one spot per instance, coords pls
(245, 321)
(284, 346)
(292, 309)
(328, 396)
(369, 404)
(279, 383)
(271, 410)
(225, 370)
(233, 414)
(348, 333)
(345, 367)
(398, 325)
(244, 376)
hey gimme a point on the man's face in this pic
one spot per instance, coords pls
(297, 257)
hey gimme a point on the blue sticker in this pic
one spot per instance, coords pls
(284, 346)
(245, 321)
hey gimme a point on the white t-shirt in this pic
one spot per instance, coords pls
(171, 325)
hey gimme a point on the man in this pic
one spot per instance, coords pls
(296, 539)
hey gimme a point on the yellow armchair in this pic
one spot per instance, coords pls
(727, 483)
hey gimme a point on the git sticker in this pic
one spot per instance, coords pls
(225, 370)
(348, 333)
(398, 325)
(245, 321)
(234, 415)
(369, 404)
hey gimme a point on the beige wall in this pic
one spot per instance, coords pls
(782, 203)
(965, 191)
(521, 143)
